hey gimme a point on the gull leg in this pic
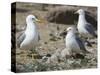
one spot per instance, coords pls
(32, 52)
(88, 43)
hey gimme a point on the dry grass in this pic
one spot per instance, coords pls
(50, 41)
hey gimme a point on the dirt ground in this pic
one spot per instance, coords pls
(50, 41)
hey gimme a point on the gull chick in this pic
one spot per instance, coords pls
(30, 37)
(85, 28)
(73, 42)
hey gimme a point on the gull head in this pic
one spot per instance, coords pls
(80, 11)
(31, 18)
(72, 29)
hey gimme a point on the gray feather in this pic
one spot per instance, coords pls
(20, 39)
(90, 29)
(80, 43)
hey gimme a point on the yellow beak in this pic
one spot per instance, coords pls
(40, 21)
(37, 20)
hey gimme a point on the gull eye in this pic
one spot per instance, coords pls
(70, 29)
(32, 18)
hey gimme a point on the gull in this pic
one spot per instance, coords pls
(86, 29)
(30, 37)
(73, 42)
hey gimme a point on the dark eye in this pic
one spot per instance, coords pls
(70, 29)
(32, 18)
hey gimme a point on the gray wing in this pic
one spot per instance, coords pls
(20, 39)
(80, 43)
(90, 29)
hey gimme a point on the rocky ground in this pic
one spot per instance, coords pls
(51, 39)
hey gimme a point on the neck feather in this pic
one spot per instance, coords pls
(70, 34)
(31, 25)
(81, 19)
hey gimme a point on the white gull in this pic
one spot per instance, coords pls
(73, 42)
(85, 28)
(30, 37)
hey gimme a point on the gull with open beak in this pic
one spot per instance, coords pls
(30, 37)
